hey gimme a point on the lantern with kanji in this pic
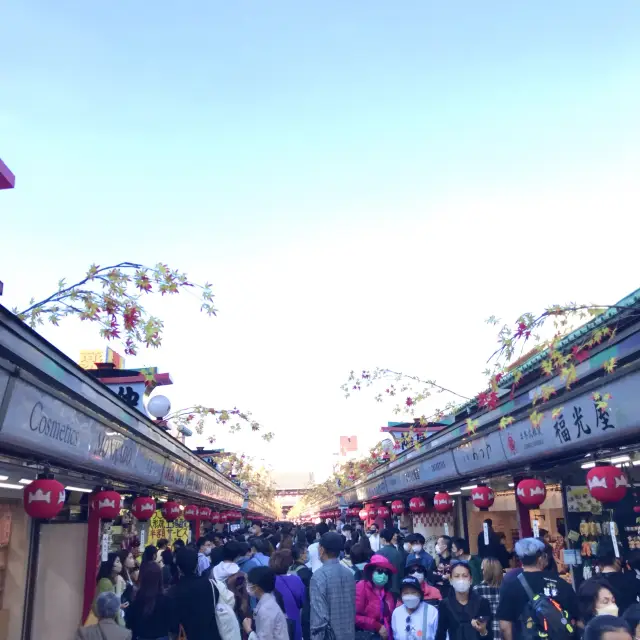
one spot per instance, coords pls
(531, 492)
(43, 498)
(442, 502)
(215, 517)
(107, 504)
(204, 513)
(383, 512)
(170, 511)
(143, 508)
(363, 514)
(191, 512)
(607, 483)
(224, 518)
(372, 511)
(397, 507)
(483, 497)
(417, 505)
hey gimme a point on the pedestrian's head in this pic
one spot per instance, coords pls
(459, 547)
(488, 522)
(230, 551)
(416, 540)
(411, 593)
(177, 545)
(261, 580)
(187, 561)
(502, 538)
(167, 557)
(632, 618)
(127, 561)
(217, 539)
(150, 554)
(417, 571)
(492, 572)
(443, 546)
(204, 546)
(390, 536)
(360, 553)
(110, 568)
(256, 527)
(300, 553)
(162, 544)
(331, 544)
(107, 606)
(280, 561)
(379, 571)
(531, 553)
(595, 598)
(460, 576)
(321, 529)
(544, 536)
(259, 545)
(607, 628)
(373, 529)
(606, 556)
(310, 535)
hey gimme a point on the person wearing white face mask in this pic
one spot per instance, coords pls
(463, 615)
(418, 555)
(414, 619)
(429, 592)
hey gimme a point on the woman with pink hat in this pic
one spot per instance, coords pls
(374, 602)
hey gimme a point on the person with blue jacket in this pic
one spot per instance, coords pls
(259, 549)
(418, 555)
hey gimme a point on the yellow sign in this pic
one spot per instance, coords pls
(88, 358)
(160, 528)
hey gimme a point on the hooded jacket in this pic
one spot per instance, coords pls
(224, 570)
(374, 605)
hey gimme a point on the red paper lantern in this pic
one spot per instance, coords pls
(442, 502)
(417, 505)
(143, 508)
(43, 498)
(363, 514)
(483, 497)
(107, 504)
(170, 511)
(383, 512)
(224, 518)
(398, 507)
(372, 511)
(204, 513)
(215, 517)
(607, 483)
(191, 512)
(531, 492)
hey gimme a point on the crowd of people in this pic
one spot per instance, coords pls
(328, 582)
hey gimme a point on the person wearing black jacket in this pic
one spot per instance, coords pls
(192, 600)
(463, 614)
(625, 585)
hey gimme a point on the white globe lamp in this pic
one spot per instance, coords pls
(159, 406)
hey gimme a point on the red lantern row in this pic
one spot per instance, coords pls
(398, 507)
(531, 492)
(43, 498)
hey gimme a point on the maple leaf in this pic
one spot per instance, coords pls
(547, 367)
(506, 421)
(547, 391)
(472, 426)
(556, 413)
(482, 399)
(610, 364)
(580, 354)
(409, 402)
(517, 376)
(536, 418)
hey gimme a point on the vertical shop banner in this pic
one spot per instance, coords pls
(160, 528)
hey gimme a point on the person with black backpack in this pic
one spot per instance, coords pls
(536, 604)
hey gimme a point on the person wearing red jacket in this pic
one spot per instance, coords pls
(374, 601)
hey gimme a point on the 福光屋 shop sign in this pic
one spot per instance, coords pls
(578, 423)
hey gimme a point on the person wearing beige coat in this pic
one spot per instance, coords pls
(107, 607)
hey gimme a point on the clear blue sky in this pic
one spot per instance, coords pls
(242, 141)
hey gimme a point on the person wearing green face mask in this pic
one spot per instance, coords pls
(374, 600)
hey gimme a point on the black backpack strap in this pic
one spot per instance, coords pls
(525, 585)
